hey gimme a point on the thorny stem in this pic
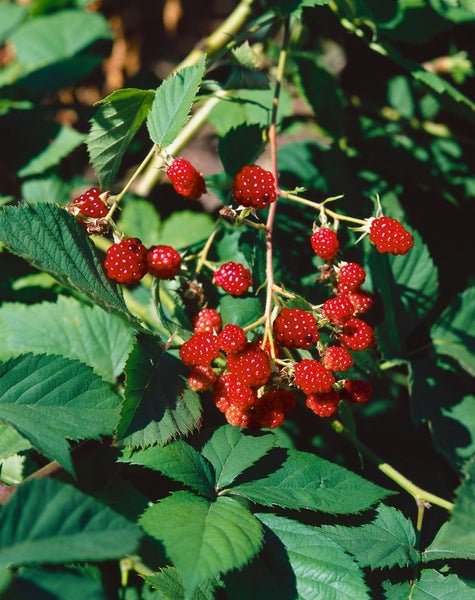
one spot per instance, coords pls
(273, 207)
(321, 206)
(421, 496)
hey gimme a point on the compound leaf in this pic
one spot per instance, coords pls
(231, 451)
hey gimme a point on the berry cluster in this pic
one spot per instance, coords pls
(239, 373)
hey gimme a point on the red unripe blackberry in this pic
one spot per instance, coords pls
(237, 417)
(89, 205)
(295, 328)
(164, 262)
(201, 349)
(234, 278)
(126, 261)
(207, 320)
(388, 235)
(325, 243)
(312, 377)
(201, 378)
(251, 365)
(186, 180)
(338, 309)
(356, 390)
(357, 335)
(337, 358)
(254, 187)
(228, 391)
(323, 405)
(362, 301)
(268, 412)
(350, 276)
(232, 338)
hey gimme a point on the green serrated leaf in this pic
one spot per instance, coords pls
(408, 288)
(298, 561)
(50, 399)
(50, 238)
(304, 480)
(75, 30)
(158, 405)
(67, 327)
(169, 586)
(203, 538)
(113, 127)
(433, 586)
(387, 541)
(231, 451)
(47, 521)
(172, 104)
(66, 140)
(456, 539)
(454, 333)
(139, 218)
(179, 461)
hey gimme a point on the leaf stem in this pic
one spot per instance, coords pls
(421, 496)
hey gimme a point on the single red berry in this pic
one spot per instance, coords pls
(268, 412)
(186, 180)
(126, 261)
(207, 320)
(234, 278)
(350, 276)
(325, 243)
(89, 205)
(388, 235)
(295, 328)
(237, 417)
(201, 349)
(251, 365)
(323, 405)
(232, 338)
(228, 391)
(362, 301)
(338, 309)
(357, 335)
(164, 262)
(201, 378)
(337, 358)
(254, 187)
(312, 377)
(356, 390)
(281, 397)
